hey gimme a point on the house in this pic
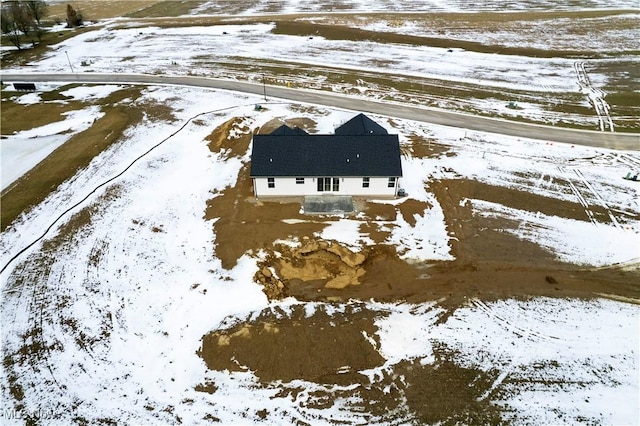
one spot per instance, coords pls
(359, 159)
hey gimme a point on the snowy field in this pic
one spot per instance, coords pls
(102, 317)
(259, 7)
(297, 6)
(104, 311)
(152, 50)
(22, 150)
(549, 90)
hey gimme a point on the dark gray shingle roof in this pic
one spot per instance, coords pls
(325, 155)
(361, 125)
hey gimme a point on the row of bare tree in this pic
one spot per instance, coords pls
(22, 19)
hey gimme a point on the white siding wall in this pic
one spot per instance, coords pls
(287, 186)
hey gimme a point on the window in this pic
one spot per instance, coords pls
(365, 182)
(328, 184)
(271, 182)
(392, 182)
(299, 181)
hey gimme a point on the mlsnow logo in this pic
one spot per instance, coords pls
(12, 414)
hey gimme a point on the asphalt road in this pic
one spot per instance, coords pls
(621, 141)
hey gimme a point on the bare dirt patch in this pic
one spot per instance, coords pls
(446, 392)
(489, 264)
(296, 347)
(165, 8)
(222, 140)
(331, 348)
(243, 224)
(304, 123)
(98, 9)
(333, 32)
(17, 117)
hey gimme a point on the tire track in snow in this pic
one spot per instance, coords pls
(36, 319)
(32, 290)
(510, 326)
(629, 160)
(598, 198)
(30, 300)
(527, 333)
(506, 370)
(578, 194)
(595, 95)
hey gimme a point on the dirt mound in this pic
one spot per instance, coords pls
(231, 137)
(304, 123)
(315, 260)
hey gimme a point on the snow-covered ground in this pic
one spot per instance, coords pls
(297, 6)
(20, 151)
(246, 51)
(103, 317)
(152, 50)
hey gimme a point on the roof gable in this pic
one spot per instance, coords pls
(361, 125)
(286, 130)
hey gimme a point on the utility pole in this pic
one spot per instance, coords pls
(68, 60)
(264, 87)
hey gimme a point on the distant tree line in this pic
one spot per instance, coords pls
(22, 19)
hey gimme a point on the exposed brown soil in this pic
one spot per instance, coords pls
(326, 349)
(303, 352)
(242, 223)
(95, 9)
(329, 348)
(332, 32)
(489, 263)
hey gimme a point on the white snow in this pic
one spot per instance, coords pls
(573, 241)
(28, 98)
(427, 240)
(21, 151)
(347, 232)
(240, 51)
(406, 332)
(88, 93)
(157, 287)
(391, 6)
(155, 49)
(138, 283)
(583, 338)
